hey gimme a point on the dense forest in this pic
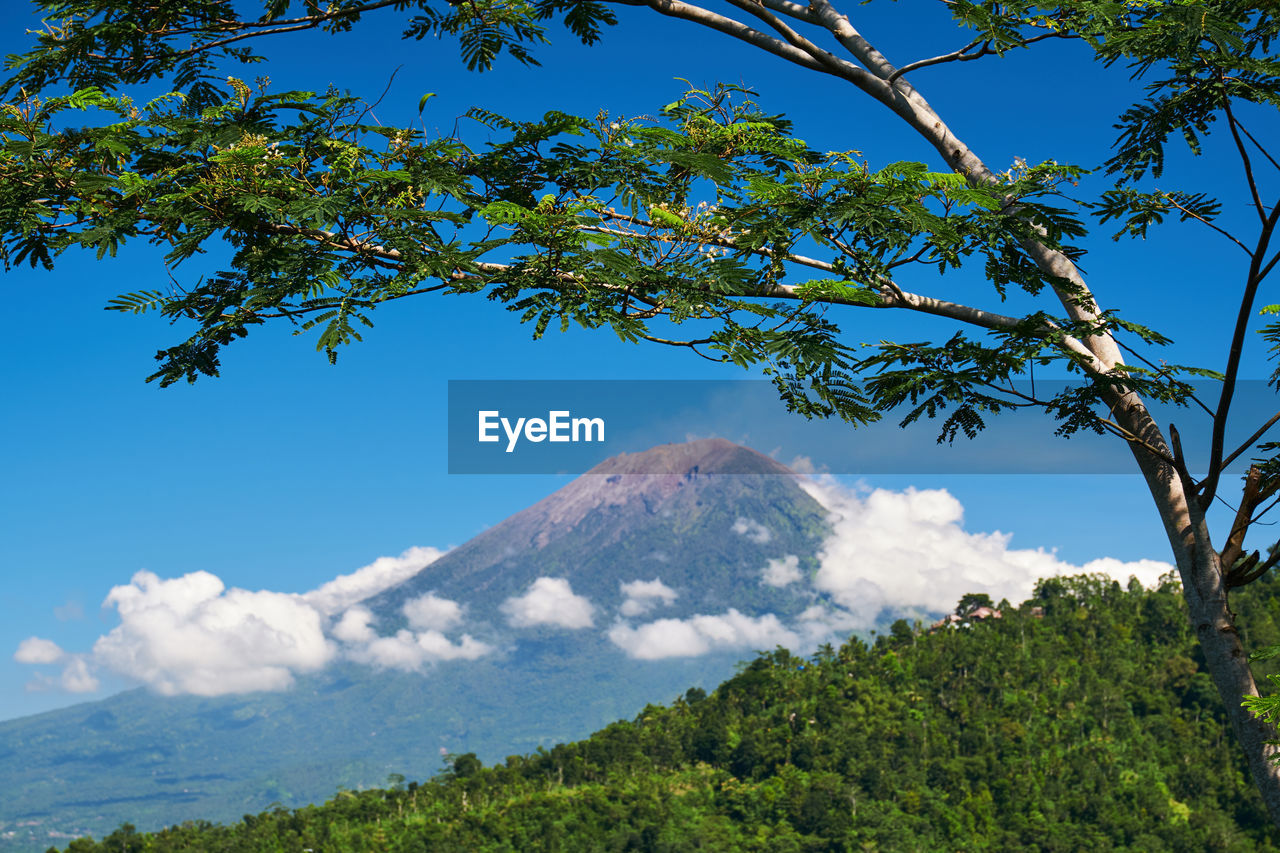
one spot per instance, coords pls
(1082, 719)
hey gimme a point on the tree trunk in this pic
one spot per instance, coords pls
(1205, 592)
(1198, 563)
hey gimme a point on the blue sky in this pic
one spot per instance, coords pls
(286, 472)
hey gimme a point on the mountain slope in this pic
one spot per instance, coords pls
(704, 517)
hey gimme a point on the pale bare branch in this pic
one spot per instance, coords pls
(963, 54)
(771, 44)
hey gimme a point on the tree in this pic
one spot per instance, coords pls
(971, 601)
(712, 216)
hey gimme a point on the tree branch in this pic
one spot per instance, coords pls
(842, 28)
(1251, 439)
(740, 31)
(791, 36)
(1197, 217)
(891, 295)
(963, 55)
(1119, 431)
(257, 29)
(1264, 151)
(1245, 161)
(1233, 357)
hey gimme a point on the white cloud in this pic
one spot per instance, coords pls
(1148, 572)
(409, 651)
(643, 596)
(427, 612)
(910, 549)
(76, 677)
(780, 572)
(698, 635)
(406, 650)
(69, 612)
(192, 635)
(383, 573)
(354, 626)
(753, 530)
(550, 601)
(803, 465)
(38, 650)
(823, 624)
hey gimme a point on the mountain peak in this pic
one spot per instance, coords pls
(648, 499)
(690, 459)
(651, 476)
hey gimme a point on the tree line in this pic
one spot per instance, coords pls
(1082, 719)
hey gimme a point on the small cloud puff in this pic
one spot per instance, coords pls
(355, 626)
(701, 634)
(37, 650)
(76, 677)
(780, 572)
(427, 612)
(72, 611)
(803, 465)
(753, 530)
(643, 596)
(549, 601)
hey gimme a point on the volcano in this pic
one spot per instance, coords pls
(668, 512)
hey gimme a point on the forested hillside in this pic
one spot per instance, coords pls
(1082, 719)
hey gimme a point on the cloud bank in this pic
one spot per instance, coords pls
(909, 549)
(193, 635)
(888, 551)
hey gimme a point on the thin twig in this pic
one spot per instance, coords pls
(1193, 215)
(1244, 159)
(1243, 316)
(963, 55)
(1249, 442)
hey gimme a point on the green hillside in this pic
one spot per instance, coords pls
(1081, 720)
